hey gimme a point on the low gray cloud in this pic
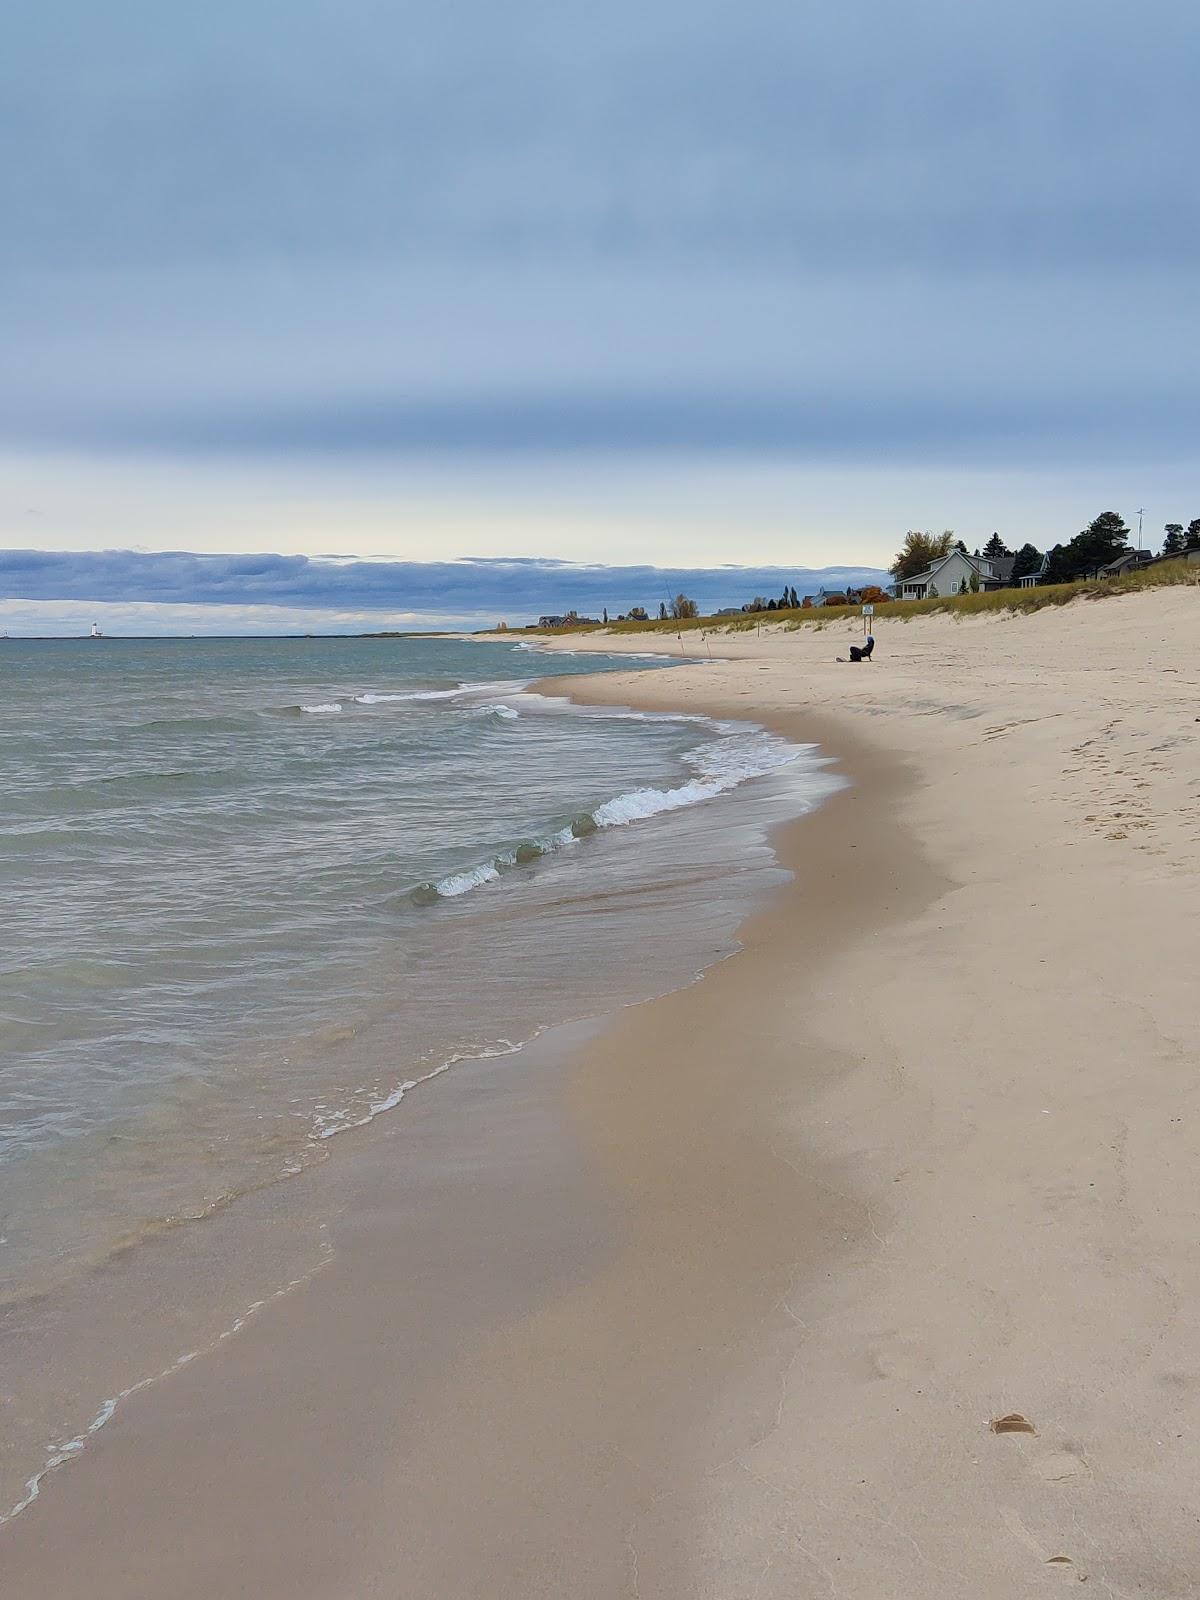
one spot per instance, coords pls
(515, 589)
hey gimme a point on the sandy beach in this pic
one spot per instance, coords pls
(718, 1296)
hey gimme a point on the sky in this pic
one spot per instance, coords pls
(686, 286)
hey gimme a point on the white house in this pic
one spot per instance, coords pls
(953, 574)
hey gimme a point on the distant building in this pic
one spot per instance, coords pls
(953, 574)
(729, 611)
(1127, 561)
(552, 622)
(826, 597)
(1030, 580)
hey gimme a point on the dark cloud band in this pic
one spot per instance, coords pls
(517, 587)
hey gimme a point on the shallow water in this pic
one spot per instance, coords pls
(254, 890)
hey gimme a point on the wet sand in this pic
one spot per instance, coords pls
(546, 1328)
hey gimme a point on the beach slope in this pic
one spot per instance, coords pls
(728, 1295)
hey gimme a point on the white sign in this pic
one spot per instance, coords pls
(868, 611)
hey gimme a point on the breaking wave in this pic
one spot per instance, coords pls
(720, 765)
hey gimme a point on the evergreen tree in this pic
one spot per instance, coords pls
(1100, 542)
(1173, 543)
(662, 611)
(606, 616)
(961, 548)
(793, 598)
(1028, 559)
(996, 547)
(1058, 568)
(1193, 535)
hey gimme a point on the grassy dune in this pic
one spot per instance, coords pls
(1166, 575)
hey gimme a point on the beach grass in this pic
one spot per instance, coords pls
(1166, 574)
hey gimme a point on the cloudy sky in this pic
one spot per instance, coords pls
(654, 283)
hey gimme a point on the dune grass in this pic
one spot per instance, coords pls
(998, 601)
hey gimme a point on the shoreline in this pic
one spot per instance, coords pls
(732, 1323)
(1022, 1119)
(125, 1453)
(251, 1247)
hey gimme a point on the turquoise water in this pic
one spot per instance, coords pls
(254, 889)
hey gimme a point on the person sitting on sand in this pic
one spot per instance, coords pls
(863, 652)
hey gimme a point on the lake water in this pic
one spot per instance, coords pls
(253, 890)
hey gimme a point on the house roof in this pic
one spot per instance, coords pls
(932, 570)
(1127, 558)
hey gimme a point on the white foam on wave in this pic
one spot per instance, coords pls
(60, 1454)
(411, 694)
(506, 712)
(721, 764)
(323, 710)
(328, 1125)
(457, 883)
(541, 649)
(638, 804)
(561, 704)
(557, 841)
(461, 691)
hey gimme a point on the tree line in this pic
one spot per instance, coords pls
(1104, 539)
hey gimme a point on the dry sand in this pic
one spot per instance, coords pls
(1019, 1111)
(719, 1300)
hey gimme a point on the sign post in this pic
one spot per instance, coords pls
(868, 612)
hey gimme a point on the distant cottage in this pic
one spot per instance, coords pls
(571, 620)
(956, 574)
(1127, 561)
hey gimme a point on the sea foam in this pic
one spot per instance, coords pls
(721, 765)
(463, 691)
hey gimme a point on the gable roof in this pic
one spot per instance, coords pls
(991, 569)
(936, 566)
